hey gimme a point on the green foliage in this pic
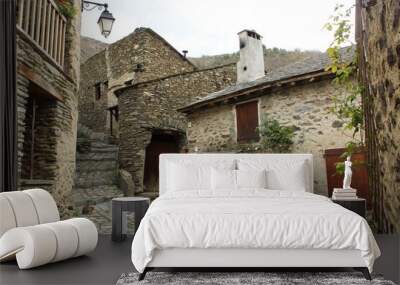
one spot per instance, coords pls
(66, 8)
(351, 147)
(275, 137)
(339, 168)
(347, 108)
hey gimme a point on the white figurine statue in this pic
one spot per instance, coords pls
(347, 174)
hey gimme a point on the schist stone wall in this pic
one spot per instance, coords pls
(304, 107)
(92, 110)
(156, 58)
(152, 107)
(141, 56)
(47, 158)
(382, 29)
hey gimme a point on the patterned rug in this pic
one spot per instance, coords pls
(243, 278)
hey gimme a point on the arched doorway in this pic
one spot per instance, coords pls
(162, 141)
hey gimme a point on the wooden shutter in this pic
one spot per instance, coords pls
(247, 121)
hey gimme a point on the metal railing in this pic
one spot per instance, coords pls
(43, 23)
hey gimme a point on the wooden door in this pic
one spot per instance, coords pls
(158, 145)
(359, 179)
(247, 121)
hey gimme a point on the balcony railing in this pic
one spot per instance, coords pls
(43, 23)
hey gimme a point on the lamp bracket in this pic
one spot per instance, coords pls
(89, 5)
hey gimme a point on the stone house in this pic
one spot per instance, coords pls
(298, 95)
(48, 64)
(139, 57)
(153, 87)
(150, 123)
(151, 79)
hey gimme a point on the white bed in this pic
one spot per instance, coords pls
(249, 226)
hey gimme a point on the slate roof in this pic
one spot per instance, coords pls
(306, 66)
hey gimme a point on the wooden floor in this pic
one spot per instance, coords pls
(110, 260)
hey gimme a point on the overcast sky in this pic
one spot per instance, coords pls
(207, 27)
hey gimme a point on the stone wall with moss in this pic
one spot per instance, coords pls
(149, 107)
(306, 108)
(381, 33)
(49, 160)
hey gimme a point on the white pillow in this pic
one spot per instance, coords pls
(223, 179)
(251, 179)
(292, 178)
(186, 178)
(281, 174)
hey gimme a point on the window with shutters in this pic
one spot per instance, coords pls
(247, 121)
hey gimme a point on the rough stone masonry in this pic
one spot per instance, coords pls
(380, 24)
(49, 160)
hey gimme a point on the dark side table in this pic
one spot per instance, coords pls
(357, 205)
(120, 207)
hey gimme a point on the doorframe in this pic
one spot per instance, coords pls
(8, 104)
(180, 139)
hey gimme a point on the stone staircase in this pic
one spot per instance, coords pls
(96, 177)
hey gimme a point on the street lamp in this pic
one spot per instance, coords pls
(106, 19)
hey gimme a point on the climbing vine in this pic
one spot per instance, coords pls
(347, 107)
(66, 8)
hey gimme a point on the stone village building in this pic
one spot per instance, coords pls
(48, 64)
(298, 95)
(165, 104)
(158, 78)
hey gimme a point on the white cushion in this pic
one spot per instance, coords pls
(23, 208)
(223, 179)
(33, 244)
(281, 174)
(193, 175)
(67, 240)
(7, 220)
(251, 179)
(87, 233)
(183, 178)
(264, 161)
(46, 207)
(40, 244)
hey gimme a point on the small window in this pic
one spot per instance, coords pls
(97, 90)
(247, 121)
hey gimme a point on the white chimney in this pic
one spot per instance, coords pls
(251, 63)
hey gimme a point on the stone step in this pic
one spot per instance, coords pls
(94, 179)
(104, 149)
(96, 165)
(151, 195)
(96, 156)
(93, 174)
(95, 195)
(96, 144)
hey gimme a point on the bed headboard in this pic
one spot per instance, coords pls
(209, 157)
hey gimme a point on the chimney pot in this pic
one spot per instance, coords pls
(251, 63)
